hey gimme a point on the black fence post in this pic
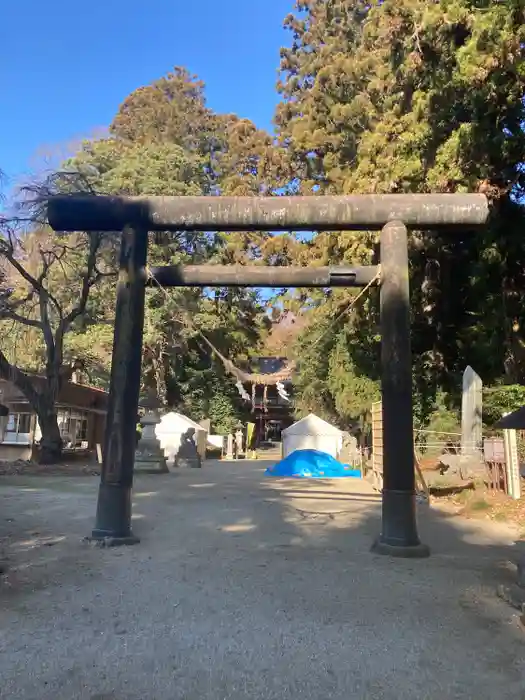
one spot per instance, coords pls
(399, 535)
(113, 520)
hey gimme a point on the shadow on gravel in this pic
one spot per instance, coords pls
(248, 586)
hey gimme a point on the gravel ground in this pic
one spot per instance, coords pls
(73, 467)
(248, 587)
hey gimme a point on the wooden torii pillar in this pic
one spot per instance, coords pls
(393, 214)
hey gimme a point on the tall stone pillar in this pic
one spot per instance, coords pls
(399, 536)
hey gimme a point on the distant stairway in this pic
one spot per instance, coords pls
(270, 451)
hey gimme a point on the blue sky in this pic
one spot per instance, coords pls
(66, 67)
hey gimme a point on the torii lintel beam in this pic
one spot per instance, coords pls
(316, 213)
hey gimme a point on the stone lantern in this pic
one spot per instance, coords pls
(149, 455)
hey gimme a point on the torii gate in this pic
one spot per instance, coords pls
(394, 214)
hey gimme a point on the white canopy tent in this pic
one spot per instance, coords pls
(170, 430)
(312, 433)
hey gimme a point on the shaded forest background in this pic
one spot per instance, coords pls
(375, 97)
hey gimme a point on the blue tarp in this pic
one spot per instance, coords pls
(311, 464)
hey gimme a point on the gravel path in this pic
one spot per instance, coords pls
(247, 587)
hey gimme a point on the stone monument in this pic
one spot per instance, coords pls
(471, 408)
(188, 455)
(149, 456)
(471, 424)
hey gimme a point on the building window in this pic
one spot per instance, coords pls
(73, 426)
(18, 428)
(82, 430)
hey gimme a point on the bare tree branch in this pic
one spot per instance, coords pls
(34, 256)
(35, 282)
(89, 279)
(8, 314)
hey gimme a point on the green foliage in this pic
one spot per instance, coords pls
(442, 417)
(499, 400)
(402, 94)
(138, 168)
(331, 380)
(171, 110)
(224, 413)
(410, 96)
(208, 394)
(165, 141)
(352, 390)
(311, 393)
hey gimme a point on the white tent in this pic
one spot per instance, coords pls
(172, 427)
(312, 433)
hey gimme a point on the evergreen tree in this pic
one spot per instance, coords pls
(166, 141)
(409, 96)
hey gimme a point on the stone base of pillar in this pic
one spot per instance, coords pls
(150, 461)
(113, 524)
(188, 463)
(415, 551)
(399, 536)
(102, 540)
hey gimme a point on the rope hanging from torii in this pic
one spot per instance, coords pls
(247, 377)
(258, 379)
(284, 374)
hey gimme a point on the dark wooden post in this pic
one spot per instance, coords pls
(113, 522)
(399, 535)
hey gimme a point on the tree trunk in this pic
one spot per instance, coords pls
(51, 443)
